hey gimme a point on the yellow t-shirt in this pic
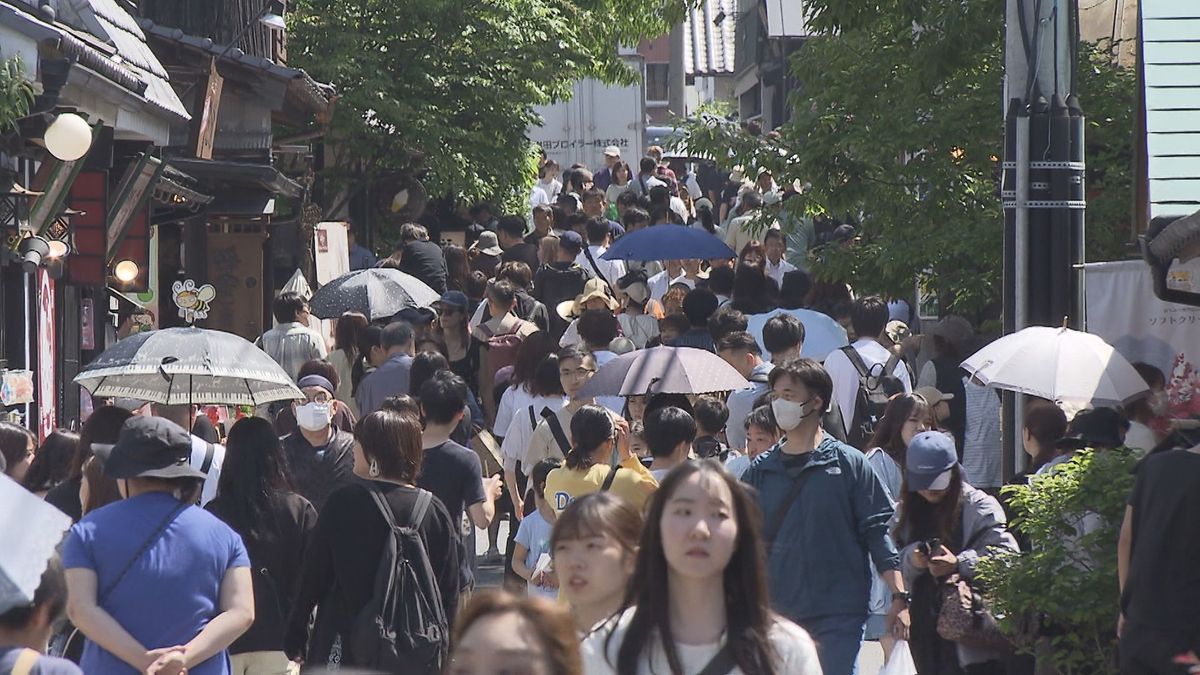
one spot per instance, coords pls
(633, 482)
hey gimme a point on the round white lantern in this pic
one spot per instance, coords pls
(68, 137)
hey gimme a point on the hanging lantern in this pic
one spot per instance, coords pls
(69, 137)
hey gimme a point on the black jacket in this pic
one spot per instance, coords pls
(423, 260)
(316, 477)
(556, 283)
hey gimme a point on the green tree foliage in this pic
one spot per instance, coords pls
(1068, 577)
(898, 123)
(449, 86)
(16, 94)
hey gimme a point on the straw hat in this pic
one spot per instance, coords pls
(594, 288)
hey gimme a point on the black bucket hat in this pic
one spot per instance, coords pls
(149, 447)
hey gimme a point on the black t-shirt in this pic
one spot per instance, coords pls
(423, 260)
(1162, 589)
(343, 557)
(523, 252)
(453, 474)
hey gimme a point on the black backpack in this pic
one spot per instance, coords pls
(403, 627)
(875, 386)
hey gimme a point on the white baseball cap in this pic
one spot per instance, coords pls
(612, 151)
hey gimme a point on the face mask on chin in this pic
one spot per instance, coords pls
(789, 415)
(313, 416)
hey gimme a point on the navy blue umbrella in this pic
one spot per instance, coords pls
(668, 242)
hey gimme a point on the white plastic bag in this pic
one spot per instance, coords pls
(901, 662)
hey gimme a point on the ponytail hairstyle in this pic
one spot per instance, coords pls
(591, 427)
(370, 336)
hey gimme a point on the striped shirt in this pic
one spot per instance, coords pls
(292, 344)
(982, 455)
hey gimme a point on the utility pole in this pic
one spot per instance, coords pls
(1043, 184)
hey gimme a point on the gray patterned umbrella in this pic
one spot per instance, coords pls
(188, 365)
(664, 370)
(377, 292)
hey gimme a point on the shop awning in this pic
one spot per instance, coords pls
(223, 174)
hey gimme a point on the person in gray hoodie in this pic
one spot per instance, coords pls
(825, 516)
(944, 526)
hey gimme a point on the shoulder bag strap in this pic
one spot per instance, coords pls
(587, 251)
(532, 418)
(890, 366)
(25, 662)
(560, 436)
(209, 454)
(424, 499)
(384, 508)
(722, 663)
(856, 360)
(608, 480)
(781, 512)
(158, 531)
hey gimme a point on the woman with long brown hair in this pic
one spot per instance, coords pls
(699, 593)
(102, 426)
(346, 334)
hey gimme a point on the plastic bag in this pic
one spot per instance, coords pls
(901, 662)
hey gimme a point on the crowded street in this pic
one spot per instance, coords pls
(541, 337)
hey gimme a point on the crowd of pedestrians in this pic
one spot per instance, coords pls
(766, 530)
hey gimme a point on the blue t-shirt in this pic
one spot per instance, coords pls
(534, 535)
(172, 591)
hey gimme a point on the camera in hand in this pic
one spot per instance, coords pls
(930, 547)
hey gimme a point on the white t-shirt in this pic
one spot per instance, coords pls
(514, 399)
(797, 654)
(609, 270)
(520, 431)
(845, 375)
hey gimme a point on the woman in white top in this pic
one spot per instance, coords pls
(350, 326)
(906, 416)
(699, 591)
(620, 182)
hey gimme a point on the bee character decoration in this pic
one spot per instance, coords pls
(192, 301)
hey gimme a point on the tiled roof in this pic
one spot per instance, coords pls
(131, 46)
(236, 55)
(708, 38)
(104, 37)
(1170, 31)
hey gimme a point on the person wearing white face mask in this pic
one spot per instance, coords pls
(320, 456)
(825, 515)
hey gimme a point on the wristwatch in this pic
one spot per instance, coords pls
(904, 596)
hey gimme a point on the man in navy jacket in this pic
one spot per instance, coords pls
(825, 516)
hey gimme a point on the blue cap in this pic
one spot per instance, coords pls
(571, 240)
(930, 459)
(455, 299)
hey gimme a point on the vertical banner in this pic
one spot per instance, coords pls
(47, 397)
(1122, 309)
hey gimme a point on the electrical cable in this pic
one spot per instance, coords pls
(1032, 72)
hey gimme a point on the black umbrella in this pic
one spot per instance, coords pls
(378, 292)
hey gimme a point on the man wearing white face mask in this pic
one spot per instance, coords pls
(320, 456)
(825, 516)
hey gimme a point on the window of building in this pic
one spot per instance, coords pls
(656, 81)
